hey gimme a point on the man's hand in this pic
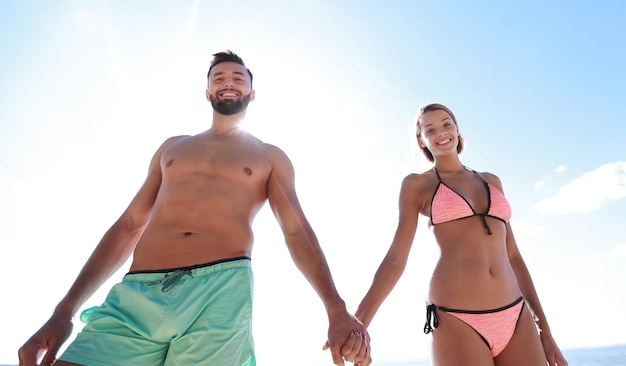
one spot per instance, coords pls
(46, 341)
(348, 340)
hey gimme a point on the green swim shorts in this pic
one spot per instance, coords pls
(200, 315)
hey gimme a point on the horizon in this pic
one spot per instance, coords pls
(91, 89)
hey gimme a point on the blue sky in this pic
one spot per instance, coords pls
(90, 89)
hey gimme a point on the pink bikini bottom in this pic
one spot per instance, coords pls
(495, 327)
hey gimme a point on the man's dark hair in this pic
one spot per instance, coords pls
(227, 56)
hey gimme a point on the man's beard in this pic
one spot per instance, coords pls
(228, 107)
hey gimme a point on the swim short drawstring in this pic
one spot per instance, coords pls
(431, 318)
(170, 279)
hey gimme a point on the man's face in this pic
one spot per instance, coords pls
(230, 88)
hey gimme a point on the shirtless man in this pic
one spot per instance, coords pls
(187, 299)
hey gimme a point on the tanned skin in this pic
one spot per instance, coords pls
(475, 271)
(197, 206)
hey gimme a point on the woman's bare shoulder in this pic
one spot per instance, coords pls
(491, 179)
(420, 180)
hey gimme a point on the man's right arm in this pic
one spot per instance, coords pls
(114, 249)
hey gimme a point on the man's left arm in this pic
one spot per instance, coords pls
(310, 260)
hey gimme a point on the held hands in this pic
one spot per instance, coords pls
(357, 349)
(349, 340)
(46, 342)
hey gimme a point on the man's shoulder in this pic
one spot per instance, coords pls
(268, 147)
(172, 139)
(169, 141)
(275, 153)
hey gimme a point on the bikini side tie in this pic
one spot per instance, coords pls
(431, 318)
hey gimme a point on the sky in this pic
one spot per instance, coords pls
(90, 89)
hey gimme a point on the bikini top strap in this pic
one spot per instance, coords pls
(482, 215)
(438, 177)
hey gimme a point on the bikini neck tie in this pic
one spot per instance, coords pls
(483, 216)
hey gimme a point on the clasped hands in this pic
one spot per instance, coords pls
(355, 348)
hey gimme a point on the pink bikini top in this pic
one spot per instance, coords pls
(448, 205)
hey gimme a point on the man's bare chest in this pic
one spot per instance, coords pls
(229, 159)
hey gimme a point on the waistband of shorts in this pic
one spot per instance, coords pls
(198, 270)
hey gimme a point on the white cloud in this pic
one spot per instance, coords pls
(589, 191)
(619, 251)
(541, 184)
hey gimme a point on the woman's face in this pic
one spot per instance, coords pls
(438, 133)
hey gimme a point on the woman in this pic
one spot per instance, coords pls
(484, 309)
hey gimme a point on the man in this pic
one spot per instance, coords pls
(187, 299)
